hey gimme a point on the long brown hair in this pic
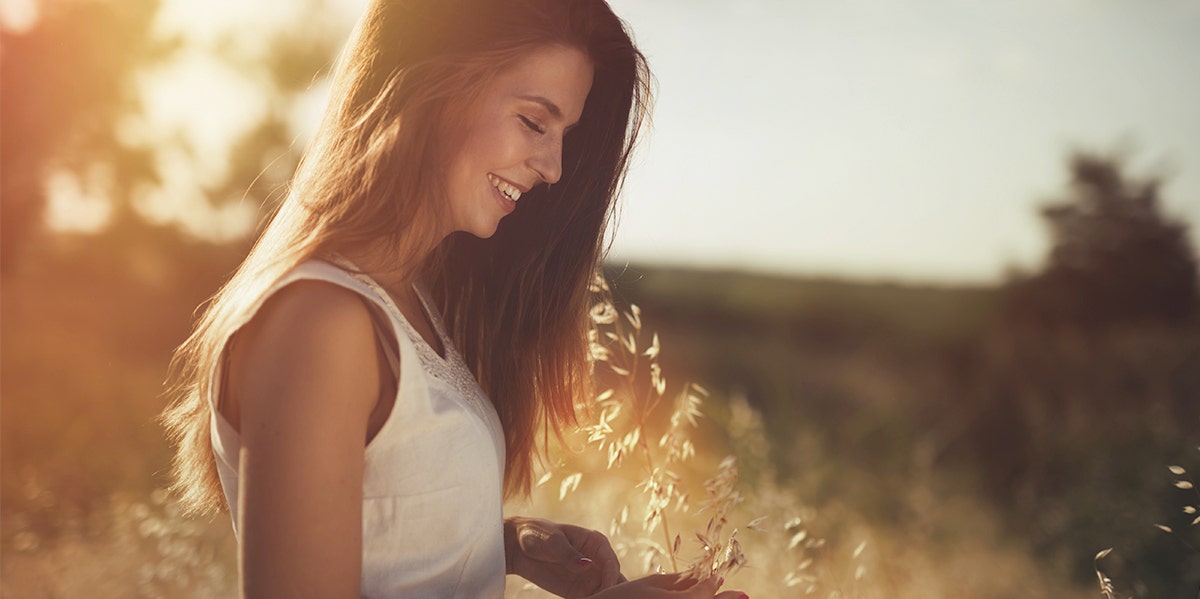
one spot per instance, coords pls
(516, 304)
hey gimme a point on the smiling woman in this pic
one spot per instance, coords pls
(515, 135)
(371, 383)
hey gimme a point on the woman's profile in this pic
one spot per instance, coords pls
(373, 381)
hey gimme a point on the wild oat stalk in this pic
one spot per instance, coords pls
(1106, 583)
(626, 424)
(619, 342)
(1184, 481)
(808, 546)
(720, 556)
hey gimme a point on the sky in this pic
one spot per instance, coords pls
(899, 140)
(864, 138)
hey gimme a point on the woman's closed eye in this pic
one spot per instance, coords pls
(531, 124)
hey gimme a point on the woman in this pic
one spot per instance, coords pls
(372, 382)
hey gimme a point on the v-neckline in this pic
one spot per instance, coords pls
(424, 347)
(427, 314)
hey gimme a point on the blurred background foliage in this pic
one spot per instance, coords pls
(1043, 410)
(67, 82)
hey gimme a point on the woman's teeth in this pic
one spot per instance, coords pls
(509, 191)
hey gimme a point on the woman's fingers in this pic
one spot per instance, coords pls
(611, 574)
(704, 589)
(667, 582)
(683, 586)
(544, 541)
(554, 547)
(596, 546)
(674, 586)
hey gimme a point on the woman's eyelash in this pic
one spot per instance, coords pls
(532, 125)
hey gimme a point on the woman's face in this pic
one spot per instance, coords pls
(514, 136)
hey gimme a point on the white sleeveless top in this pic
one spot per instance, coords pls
(433, 483)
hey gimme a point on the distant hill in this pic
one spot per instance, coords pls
(803, 305)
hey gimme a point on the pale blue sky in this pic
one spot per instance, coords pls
(880, 139)
(900, 140)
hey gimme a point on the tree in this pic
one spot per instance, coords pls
(1115, 258)
(66, 83)
(70, 83)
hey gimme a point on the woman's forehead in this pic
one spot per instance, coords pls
(556, 77)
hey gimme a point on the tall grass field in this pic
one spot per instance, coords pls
(802, 437)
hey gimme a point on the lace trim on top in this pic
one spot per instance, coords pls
(452, 369)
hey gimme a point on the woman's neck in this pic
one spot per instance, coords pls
(394, 268)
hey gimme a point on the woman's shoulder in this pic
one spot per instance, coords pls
(310, 339)
(311, 319)
(318, 297)
(313, 307)
(332, 269)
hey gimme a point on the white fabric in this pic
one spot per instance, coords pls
(432, 488)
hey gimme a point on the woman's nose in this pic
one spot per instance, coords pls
(547, 162)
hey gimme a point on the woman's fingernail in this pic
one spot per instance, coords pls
(584, 561)
(744, 596)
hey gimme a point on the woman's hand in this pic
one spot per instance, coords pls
(566, 560)
(669, 586)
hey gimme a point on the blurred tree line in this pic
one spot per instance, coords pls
(67, 81)
(72, 90)
(1115, 257)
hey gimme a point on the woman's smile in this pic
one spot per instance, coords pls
(505, 193)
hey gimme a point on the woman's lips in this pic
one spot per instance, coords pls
(506, 204)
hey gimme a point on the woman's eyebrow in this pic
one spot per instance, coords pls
(550, 107)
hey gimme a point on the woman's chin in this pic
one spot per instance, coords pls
(484, 231)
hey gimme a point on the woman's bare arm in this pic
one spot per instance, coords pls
(303, 380)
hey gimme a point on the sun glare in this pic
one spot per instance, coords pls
(196, 106)
(207, 103)
(207, 22)
(180, 199)
(204, 103)
(76, 205)
(18, 15)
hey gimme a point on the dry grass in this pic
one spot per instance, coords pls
(134, 547)
(80, 516)
(765, 540)
(1190, 510)
(957, 549)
